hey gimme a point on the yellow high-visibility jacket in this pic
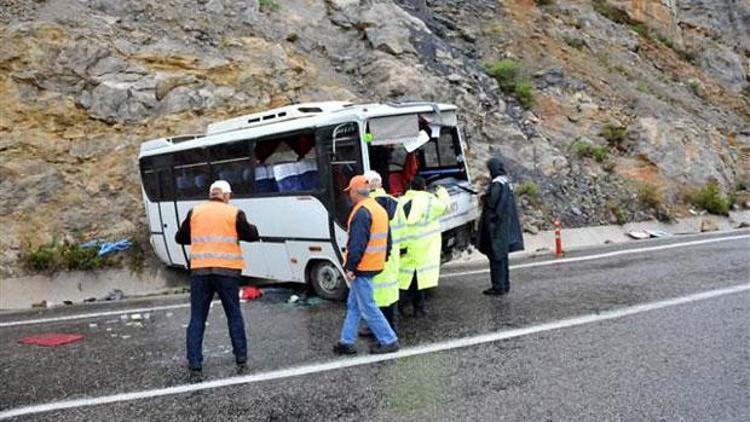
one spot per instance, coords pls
(422, 240)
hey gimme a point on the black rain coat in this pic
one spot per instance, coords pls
(499, 228)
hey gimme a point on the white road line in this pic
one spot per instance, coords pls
(368, 360)
(604, 255)
(456, 274)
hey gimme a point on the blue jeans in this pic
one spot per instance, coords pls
(202, 288)
(361, 305)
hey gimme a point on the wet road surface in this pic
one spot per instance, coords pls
(685, 362)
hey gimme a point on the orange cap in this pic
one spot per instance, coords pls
(358, 183)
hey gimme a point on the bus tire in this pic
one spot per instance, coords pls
(327, 281)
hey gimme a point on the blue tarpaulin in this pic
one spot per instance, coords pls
(106, 248)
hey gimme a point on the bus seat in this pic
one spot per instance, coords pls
(287, 177)
(201, 183)
(183, 183)
(264, 180)
(308, 174)
(229, 176)
(247, 175)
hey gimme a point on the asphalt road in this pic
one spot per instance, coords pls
(682, 360)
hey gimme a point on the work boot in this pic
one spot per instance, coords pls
(344, 349)
(493, 292)
(196, 375)
(379, 349)
(241, 366)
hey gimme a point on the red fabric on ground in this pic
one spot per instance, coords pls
(250, 293)
(51, 339)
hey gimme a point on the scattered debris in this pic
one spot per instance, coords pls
(125, 337)
(305, 300)
(109, 328)
(169, 314)
(645, 234)
(658, 233)
(67, 302)
(136, 317)
(147, 316)
(93, 325)
(51, 339)
(639, 235)
(250, 293)
(90, 299)
(124, 316)
(42, 304)
(115, 294)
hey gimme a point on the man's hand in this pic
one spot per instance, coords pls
(350, 276)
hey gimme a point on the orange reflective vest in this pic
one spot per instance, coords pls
(374, 256)
(214, 242)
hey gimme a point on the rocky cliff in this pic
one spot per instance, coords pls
(661, 86)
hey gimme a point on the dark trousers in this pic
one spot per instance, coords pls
(416, 296)
(391, 315)
(499, 275)
(202, 289)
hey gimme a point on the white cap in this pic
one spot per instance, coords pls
(222, 185)
(372, 175)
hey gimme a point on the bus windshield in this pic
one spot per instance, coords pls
(437, 159)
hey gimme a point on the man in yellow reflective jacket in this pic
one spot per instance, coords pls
(385, 284)
(419, 267)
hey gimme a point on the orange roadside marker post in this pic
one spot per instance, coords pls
(558, 238)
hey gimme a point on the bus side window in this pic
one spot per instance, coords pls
(287, 165)
(151, 185)
(231, 162)
(192, 174)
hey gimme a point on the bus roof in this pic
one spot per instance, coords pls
(286, 119)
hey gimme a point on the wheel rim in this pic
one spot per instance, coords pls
(327, 277)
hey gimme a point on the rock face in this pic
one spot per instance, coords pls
(662, 84)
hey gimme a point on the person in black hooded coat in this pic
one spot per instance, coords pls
(499, 229)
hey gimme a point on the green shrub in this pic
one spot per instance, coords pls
(711, 198)
(641, 29)
(268, 5)
(620, 215)
(524, 92)
(74, 257)
(57, 255)
(583, 148)
(649, 197)
(588, 150)
(644, 88)
(614, 135)
(600, 153)
(528, 188)
(695, 88)
(43, 257)
(507, 72)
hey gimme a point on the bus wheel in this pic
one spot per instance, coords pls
(327, 281)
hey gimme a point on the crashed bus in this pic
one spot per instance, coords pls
(288, 168)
